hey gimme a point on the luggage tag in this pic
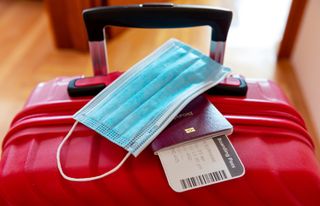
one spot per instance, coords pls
(200, 163)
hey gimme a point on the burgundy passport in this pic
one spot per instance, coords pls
(199, 119)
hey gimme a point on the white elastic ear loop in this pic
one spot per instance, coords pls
(86, 179)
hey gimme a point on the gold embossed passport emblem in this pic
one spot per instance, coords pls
(189, 130)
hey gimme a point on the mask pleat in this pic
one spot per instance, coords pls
(137, 83)
(143, 97)
(159, 103)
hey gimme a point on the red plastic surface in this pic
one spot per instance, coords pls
(269, 136)
(92, 81)
(231, 81)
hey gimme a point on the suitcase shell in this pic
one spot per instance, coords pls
(269, 136)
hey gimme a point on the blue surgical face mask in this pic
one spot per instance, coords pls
(135, 108)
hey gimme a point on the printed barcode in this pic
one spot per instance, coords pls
(203, 179)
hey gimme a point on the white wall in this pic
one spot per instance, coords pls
(306, 59)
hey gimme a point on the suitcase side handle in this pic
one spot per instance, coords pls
(165, 15)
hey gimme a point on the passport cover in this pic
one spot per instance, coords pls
(199, 119)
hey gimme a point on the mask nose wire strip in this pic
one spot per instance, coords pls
(86, 179)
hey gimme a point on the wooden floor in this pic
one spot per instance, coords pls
(28, 56)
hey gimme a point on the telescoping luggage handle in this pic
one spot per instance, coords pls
(165, 15)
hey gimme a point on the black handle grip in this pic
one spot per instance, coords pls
(157, 16)
(90, 86)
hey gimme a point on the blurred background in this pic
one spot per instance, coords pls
(278, 40)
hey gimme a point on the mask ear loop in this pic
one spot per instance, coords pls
(86, 179)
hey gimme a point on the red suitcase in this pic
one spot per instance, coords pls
(269, 136)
